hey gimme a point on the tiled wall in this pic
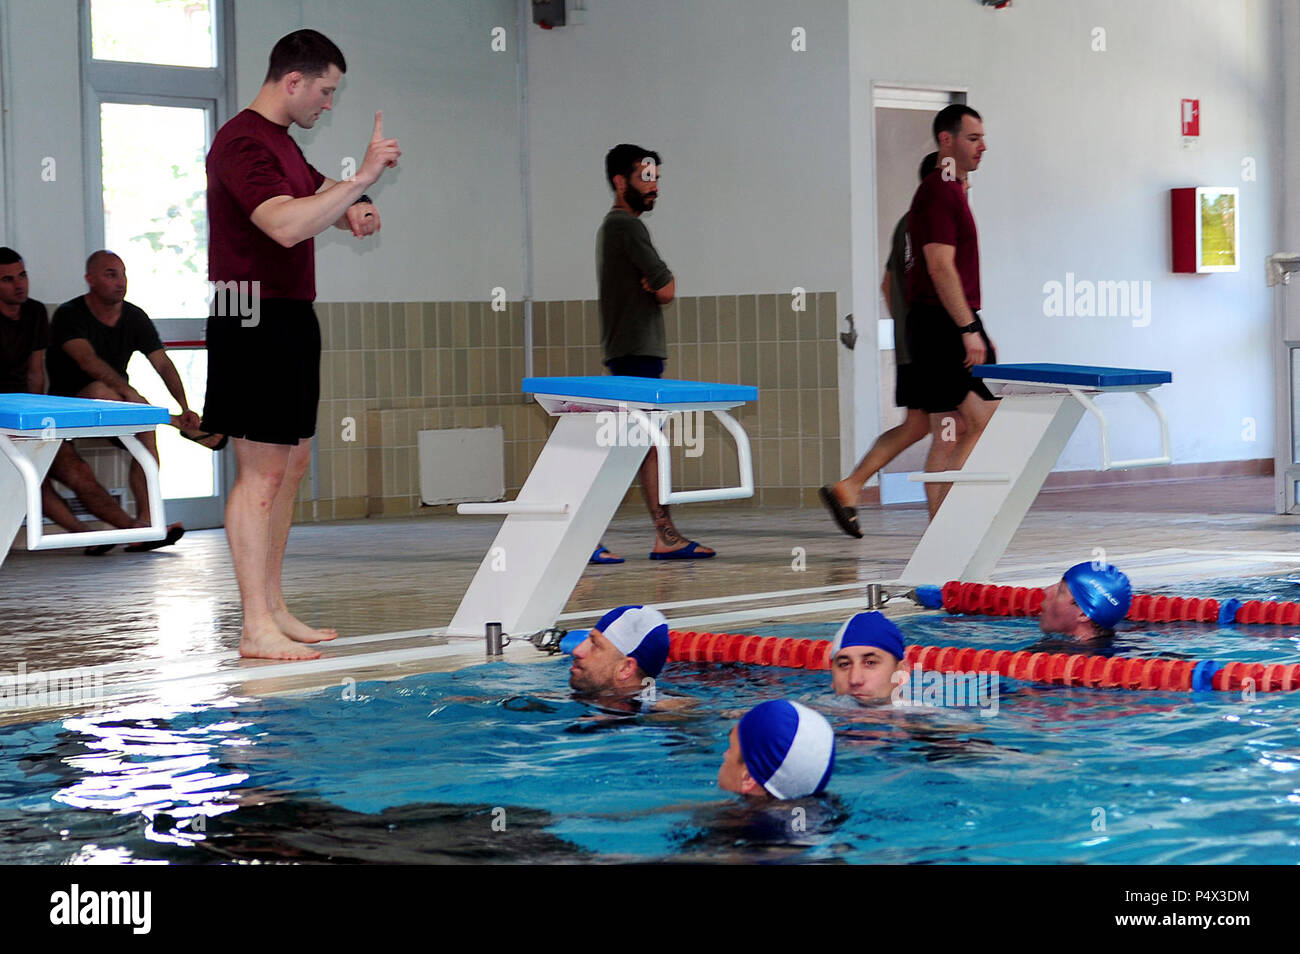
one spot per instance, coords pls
(391, 370)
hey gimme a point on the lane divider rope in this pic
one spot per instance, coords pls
(1062, 669)
(988, 599)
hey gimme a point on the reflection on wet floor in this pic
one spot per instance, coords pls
(174, 612)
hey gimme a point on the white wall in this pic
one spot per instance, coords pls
(1289, 196)
(452, 217)
(1083, 148)
(43, 97)
(754, 138)
(768, 162)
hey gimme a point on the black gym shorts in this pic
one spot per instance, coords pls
(264, 379)
(636, 366)
(905, 386)
(940, 379)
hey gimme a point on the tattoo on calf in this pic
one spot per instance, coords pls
(664, 526)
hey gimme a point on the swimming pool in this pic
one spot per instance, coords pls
(497, 763)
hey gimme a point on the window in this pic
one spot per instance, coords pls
(157, 83)
(163, 32)
(156, 90)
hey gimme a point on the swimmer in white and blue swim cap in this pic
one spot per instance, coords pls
(1087, 603)
(779, 749)
(622, 654)
(867, 651)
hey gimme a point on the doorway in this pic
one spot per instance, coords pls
(903, 137)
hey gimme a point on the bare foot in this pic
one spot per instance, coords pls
(299, 631)
(273, 644)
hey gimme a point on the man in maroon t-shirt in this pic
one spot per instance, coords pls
(944, 333)
(266, 204)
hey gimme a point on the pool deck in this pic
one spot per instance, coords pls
(164, 625)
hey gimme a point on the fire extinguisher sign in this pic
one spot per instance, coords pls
(1191, 117)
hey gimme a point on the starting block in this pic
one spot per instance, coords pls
(604, 428)
(993, 491)
(32, 426)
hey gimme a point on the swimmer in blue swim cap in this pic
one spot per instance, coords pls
(1087, 603)
(622, 654)
(866, 653)
(779, 749)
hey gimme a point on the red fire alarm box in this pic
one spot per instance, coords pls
(1191, 117)
(1205, 232)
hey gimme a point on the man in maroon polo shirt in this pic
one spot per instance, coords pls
(265, 206)
(944, 333)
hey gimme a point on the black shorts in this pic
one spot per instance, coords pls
(905, 387)
(264, 380)
(636, 366)
(940, 379)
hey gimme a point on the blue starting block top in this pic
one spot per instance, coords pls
(654, 391)
(36, 412)
(1074, 375)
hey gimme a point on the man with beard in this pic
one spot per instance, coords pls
(621, 655)
(635, 284)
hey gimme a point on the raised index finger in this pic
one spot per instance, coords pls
(379, 126)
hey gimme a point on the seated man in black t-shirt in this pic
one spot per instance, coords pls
(24, 336)
(92, 338)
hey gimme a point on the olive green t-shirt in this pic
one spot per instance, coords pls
(631, 321)
(900, 255)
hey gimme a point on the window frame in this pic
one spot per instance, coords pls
(211, 88)
(113, 81)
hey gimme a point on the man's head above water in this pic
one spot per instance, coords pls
(779, 749)
(1087, 602)
(622, 653)
(867, 651)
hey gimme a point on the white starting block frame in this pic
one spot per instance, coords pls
(1006, 469)
(575, 487)
(30, 435)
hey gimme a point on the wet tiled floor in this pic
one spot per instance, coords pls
(166, 622)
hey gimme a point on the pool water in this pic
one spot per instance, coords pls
(499, 763)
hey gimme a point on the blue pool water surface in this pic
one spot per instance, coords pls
(498, 763)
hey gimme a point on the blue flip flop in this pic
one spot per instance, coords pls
(687, 552)
(600, 558)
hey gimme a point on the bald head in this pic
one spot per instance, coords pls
(96, 258)
(106, 276)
